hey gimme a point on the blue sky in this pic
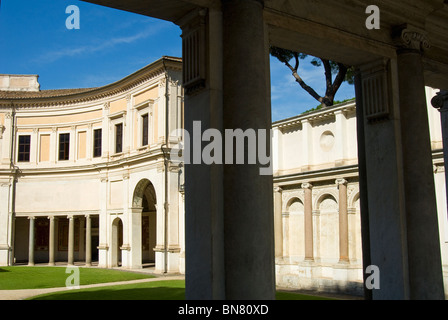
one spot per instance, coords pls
(112, 44)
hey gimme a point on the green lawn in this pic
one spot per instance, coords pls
(52, 277)
(157, 290)
(12, 278)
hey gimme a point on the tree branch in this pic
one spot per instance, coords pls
(302, 83)
(328, 76)
(340, 77)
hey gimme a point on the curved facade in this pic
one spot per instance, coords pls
(84, 171)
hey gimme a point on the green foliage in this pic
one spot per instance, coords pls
(336, 102)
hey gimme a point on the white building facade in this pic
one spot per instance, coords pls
(84, 175)
(316, 199)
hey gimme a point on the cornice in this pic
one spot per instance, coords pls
(124, 85)
(318, 115)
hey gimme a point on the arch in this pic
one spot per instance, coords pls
(294, 205)
(117, 242)
(353, 199)
(144, 188)
(290, 199)
(145, 197)
(324, 194)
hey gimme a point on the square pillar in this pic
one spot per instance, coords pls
(229, 239)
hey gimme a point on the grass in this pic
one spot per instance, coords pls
(13, 278)
(157, 290)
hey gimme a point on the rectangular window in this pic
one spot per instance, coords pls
(119, 138)
(24, 148)
(97, 138)
(145, 130)
(64, 146)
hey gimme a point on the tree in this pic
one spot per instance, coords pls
(342, 73)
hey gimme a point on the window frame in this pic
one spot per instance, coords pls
(21, 152)
(116, 136)
(95, 147)
(67, 144)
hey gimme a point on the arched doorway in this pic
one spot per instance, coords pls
(145, 198)
(117, 242)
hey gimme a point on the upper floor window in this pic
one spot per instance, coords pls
(24, 148)
(64, 146)
(119, 138)
(145, 132)
(97, 139)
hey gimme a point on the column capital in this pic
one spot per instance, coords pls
(407, 37)
(440, 100)
(51, 217)
(278, 189)
(307, 185)
(341, 181)
(70, 217)
(31, 218)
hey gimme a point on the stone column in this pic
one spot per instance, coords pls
(229, 240)
(440, 102)
(31, 242)
(88, 241)
(308, 207)
(425, 274)
(249, 265)
(71, 240)
(343, 221)
(278, 225)
(51, 241)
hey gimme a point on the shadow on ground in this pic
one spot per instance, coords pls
(158, 293)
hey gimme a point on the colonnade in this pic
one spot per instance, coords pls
(343, 227)
(71, 240)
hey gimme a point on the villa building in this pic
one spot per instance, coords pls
(85, 176)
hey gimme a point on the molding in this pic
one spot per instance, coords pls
(153, 70)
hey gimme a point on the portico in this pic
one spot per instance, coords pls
(229, 209)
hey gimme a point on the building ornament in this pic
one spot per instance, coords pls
(440, 100)
(410, 38)
(307, 185)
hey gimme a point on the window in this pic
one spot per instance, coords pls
(97, 138)
(145, 130)
(64, 146)
(24, 148)
(119, 138)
